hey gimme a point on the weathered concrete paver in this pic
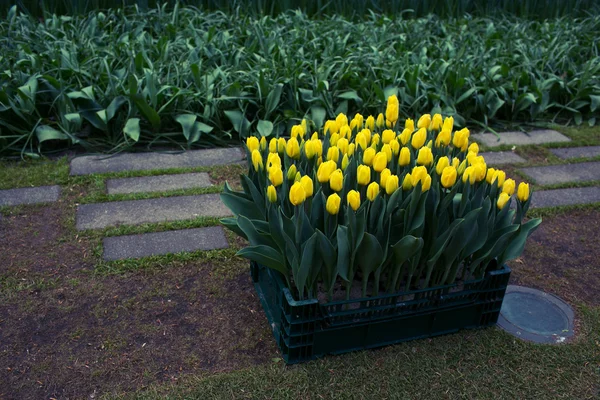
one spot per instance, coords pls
(135, 212)
(161, 183)
(577, 152)
(30, 195)
(565, 197)
(520, 138)
(149, 161)
(150, 244)
(502, 157)
(555, 174)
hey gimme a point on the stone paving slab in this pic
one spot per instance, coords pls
(146, 161)
(565, 197)
(30, 195)
(502, 157)
(555, 174)
(151, 244)
(135, 212)
(577, 152)
(520, 138)
(161, 183)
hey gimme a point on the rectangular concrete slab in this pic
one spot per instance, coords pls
(161, 183)
(520, 138)
(148, 161)
(30, 195)
(502, 158)
(577, 152)
(565, 197)
(555, 174)
(151, 244)
(135, 212)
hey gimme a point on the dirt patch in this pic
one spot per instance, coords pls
(563, 257)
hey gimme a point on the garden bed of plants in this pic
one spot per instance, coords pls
(110, 80)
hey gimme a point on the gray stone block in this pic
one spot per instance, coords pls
(150, 244)
(555, 174)
(148, 161)
(520, 138)
(31, 195)
(161, 183)
(565, 197)
(502, 158)
(577, 152)
(135, 212)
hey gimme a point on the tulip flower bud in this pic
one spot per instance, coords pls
(405, 136)
(336, 180)
(351, 148)
(480, 171)
(307, 184)
(426, 183)
(404, 159)
(462, 166)
(272, 194)
(499, 177)
(461, 139)
(341, 119)
(363, 175)
(257, 160)
(330, 127)
(418, 175)
(353, 198)
(291, 173)
(409, 125)
(309, 149)
(395, 147)
(345, 132)
(252, 144)
(448, 177)
(334, 139)
(372, 191)
(315, 136)
(391, 184)
(509, 187)
(380, 161)
(469, 175)
(297, 177)
(436, 122)
(442, 163)
(304, 125)
(263, 143)
(273, 146)
(455, 162)
(333, 204)
(425, 156)
(523, 192)
(293, 148)
(392, 109)
(387, 136)
(443, 138)
(380, 121)
(474, 147)
(368, 156)
(297, 194)
(490, 175)
(375, 140)
(448, 124)
(296, 132)
(343, 145)
(333, 154)
(386, 173)
(370, 123)
(357, 122)
(345, 162)
(407, 182)
(281, 145)
(325, 170)
(424, 121)
(361, 140)
(502, 200)
(276, 175)
(419, 138)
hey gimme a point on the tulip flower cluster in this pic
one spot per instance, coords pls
(409, 205)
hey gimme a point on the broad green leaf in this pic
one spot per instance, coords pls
(132, 129)
(266, 256)
(240, 124)
(265, 128)
(595, 102)
(318, 114)
(45, 132)
(350, 95)
(188, 124)
(148, 112)
(273, 99)
(517, 243)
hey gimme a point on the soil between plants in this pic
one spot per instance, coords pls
(67, 332)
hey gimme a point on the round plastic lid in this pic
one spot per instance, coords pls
(536, 316)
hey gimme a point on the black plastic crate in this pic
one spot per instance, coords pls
(306, 329)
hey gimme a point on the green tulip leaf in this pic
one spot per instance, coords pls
(266, 256)
(132, 129)
(517, 243)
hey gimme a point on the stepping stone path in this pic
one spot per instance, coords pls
(502, 157)
(520, 138)
(31, 195)
(135, 212)
(565, 197)
(149, 161)
(150, 244)
(555, 174)
(162, 183)
(577, 152)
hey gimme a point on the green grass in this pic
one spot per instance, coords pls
(196, 78)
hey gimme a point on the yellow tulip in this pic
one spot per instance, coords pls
(425, 156)
(480, 171)
(304, 126)
(351, 148)
(293, 148)
(448, 124)
(318, 144)
(273, 146)
(331, 127)
(357, 122)
(387, 136)
(375, 139)
(443, 138)
(448, 178)
(281, 145)
(363, 175)
(297, 194)
(372, 191)
(395, 147)
(380, 161)
(257, 160)
(442, 163)
(272, 194)
(418, 175)
(407, 182)
(263, 143)
(499, 177)
(502, 200)
(461, 139)
(252, 144)
(353, 198)
(370, 123)
(391, 184)
(368, 156)
(404, 159)
(273, 160)
(470, 174)
(314, 136)
(333, 154)
(325, 170)
(367, 134)
(361, 140)
(392, 109)
(343, 144)
(474, 147)
(436, 122)
(523, 192)
(333, 204)
(296, 132)
(309, 149)
(404, 137)
(345, 132)
(336, 180)
(409, 124)
(291, 172)
(426, 183)
(386, 173)
(297, 177)
(307, 184)
(490, 175)
(424, 121)
(387, 150)
(341, 119)
(276, 176)
(345, 162)
(509, 187)
(333, 139)
(419, 138)
(455, 162)
(380, 121)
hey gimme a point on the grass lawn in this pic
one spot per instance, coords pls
(191, 326)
